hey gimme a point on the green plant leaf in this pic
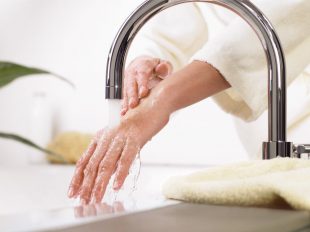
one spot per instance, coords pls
(31, 144)
(11, 71)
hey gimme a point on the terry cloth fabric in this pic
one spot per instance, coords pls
(206, 32)
(276, 183)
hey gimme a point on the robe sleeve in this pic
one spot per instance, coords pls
(238, 55)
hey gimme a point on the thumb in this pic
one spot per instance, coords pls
(163, 69)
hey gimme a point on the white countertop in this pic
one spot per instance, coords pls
(34, 197)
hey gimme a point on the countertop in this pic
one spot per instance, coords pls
(185, 217)
(33, 198)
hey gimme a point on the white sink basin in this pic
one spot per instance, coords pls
(34, 197)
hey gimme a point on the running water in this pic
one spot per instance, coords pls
(114, 109)
(135, 172)
(126, 193)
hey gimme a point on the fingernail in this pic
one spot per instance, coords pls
(142, 91)
(70, 192)
(115, 185)
(132, 102)
(123, 112)
(162, 75)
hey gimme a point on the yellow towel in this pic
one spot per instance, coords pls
(70, 145)
(276, 183)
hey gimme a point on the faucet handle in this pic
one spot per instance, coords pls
(301, 151)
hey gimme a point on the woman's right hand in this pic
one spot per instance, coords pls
(142, 74)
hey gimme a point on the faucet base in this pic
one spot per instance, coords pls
(273, 149)
(302, 151)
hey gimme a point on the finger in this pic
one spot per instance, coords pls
(106, 168)
(142, 82)
(124, 104)
(100, 133)
(126, 88)
(127, 157)
(132, 93)
(144, 73)
(78, 211)
(80, 166)
(90, 171)
(163, 69)
(153, 82)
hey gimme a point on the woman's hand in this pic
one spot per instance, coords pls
(114, 150)
(142, 74)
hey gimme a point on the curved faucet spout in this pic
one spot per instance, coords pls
(276, 145)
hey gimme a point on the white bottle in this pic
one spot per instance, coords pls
(40, 126)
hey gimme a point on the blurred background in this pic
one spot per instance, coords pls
(72, 38)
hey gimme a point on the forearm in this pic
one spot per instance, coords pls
(193, 83)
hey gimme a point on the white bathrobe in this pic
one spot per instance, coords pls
(206, 32)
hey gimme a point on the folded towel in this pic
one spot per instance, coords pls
(276, 183)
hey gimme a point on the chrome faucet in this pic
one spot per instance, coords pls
(277, 144)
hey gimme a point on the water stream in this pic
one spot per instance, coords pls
(126, 193)
(114, 109)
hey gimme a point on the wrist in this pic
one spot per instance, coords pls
(148, 118)
(162, 99)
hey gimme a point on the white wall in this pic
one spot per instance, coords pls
(72, 38)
